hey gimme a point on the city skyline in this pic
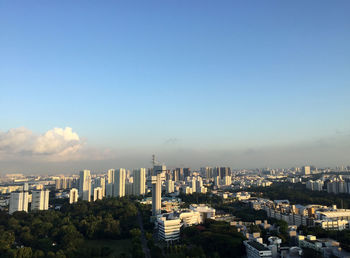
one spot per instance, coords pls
(245, 85)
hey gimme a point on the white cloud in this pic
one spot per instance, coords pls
(55, 144)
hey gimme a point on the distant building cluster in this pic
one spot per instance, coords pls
(329, 218)
(336, 184)
(19, 201)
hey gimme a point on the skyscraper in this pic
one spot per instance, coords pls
(110, 176)
(187, 172)
(225, 171)
(40, 200)
(306, 170)
(157, 189)
(18, 202)
(139, 181)
(180, 174)
(119, 182)
(170, 186)
(98, 195)
(73, 195)
(207, 172)
(193, 184)
(176, 176)
(100, 182)
(85, 185)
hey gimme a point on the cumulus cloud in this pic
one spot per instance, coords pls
(58, 143)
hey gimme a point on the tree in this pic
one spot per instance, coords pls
(24, 252)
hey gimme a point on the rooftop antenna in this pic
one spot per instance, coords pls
(154, 162)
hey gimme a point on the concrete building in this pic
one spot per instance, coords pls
(306, 170)
(157, 189)
(339, 214)
(170, 186)
(187, 172)
(109, 190)
(217, 181)
(40, 200)
(332, 224)
(225, 171)
(73, 195)
(18, 202)
(169, 228)
(199, 184)
(179, 174)
(101, 182)
(206, 172)
(119, 182)
(227, 180)
(85, 185)
(315, 185)
(256, 250)
(129, 188)
(188, 190)
(204, 211)
(110, 176)
(189, 217)
(193, 184)
(140, 181)
(98, 193)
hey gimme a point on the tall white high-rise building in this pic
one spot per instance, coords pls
(18, 202)
(170, 186)
(85, 185)
(139, 181)
(73, 195)
(306, 170)
(129, 188)
(206, 172)
(199, 184)
(110, 176)
(119, 183)
(40, 200)
(110, 182)
(227, 180)
(100, 182)
(158, 170)
(98, 195)
(193, 184)
(217, 181)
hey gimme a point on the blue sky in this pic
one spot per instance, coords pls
(164, 76)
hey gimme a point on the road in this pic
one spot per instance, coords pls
(143, 238)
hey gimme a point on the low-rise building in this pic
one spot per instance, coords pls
(256, 250)
(169, 227)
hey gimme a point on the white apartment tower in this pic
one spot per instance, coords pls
(98, 194)
(110, 176)
(85, 185)
(170, 186)
(40, 200)
(157, 189)
(101, 182)
(119, 182)
(193, 184)
(306, 170)
(18, 202)
(139, 181)
(73, 195)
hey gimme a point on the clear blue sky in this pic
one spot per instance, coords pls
(190, 74)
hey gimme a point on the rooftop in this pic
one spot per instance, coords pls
(258, 246)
